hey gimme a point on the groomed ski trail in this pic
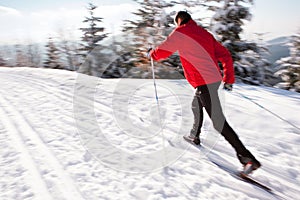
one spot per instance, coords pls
(42, 169)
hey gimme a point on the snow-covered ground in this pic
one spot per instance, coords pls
(70, 136)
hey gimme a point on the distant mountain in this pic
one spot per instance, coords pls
(278, 48)
(279, 40)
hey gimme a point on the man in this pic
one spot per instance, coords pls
(199, 54)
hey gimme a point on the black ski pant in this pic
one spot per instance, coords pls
(207, 96)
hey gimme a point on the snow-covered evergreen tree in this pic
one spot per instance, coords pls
(70, 55)
(23, 55)
(289, 67)
(7, 55)
(194, 7)
(258, 69)
(33, 54)
(2, 60)
(52, 60)
(254, 67)
(150, 27)
(69, 51)
(226, 25)
(92, 35)
(189, 3)
(117, 60)
(21, 59)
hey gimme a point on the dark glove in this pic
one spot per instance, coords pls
(227, 86)
(148, 52)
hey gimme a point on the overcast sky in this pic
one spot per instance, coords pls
(35, 20)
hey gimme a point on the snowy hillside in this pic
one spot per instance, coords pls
(70, 136)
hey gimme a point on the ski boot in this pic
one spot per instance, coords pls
(194, 139)
(250, 167)
(250, 164)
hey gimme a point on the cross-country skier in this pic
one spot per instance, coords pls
(199, 54)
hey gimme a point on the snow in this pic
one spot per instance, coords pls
(65, 135)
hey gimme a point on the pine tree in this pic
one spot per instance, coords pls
(119, 62)
(92, 35)
(226, 25)
(257, 68)
(195, 7)
(8, 55)
(33, 54)
(289, 67)
(52, 61)
(2, 60)
(69, 51)
(21, 59)
(150, 28)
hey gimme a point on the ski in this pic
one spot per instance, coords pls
(230, 168)
(249, 179)
(241, 176)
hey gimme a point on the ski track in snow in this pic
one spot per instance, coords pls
(49, 178)
(44, 157)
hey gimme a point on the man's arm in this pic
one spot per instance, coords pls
(224, 56)
(167, 48)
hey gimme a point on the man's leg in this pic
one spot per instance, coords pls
(210, 100)
(197, 109)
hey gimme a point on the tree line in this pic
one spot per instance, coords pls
(124, 55)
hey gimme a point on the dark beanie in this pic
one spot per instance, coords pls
(184, 16)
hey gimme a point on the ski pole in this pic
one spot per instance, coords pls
(271, 112)
(158, 109)
(154, 81)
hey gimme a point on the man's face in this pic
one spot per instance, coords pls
(178, 22)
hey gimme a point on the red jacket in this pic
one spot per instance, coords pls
(199, 54)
